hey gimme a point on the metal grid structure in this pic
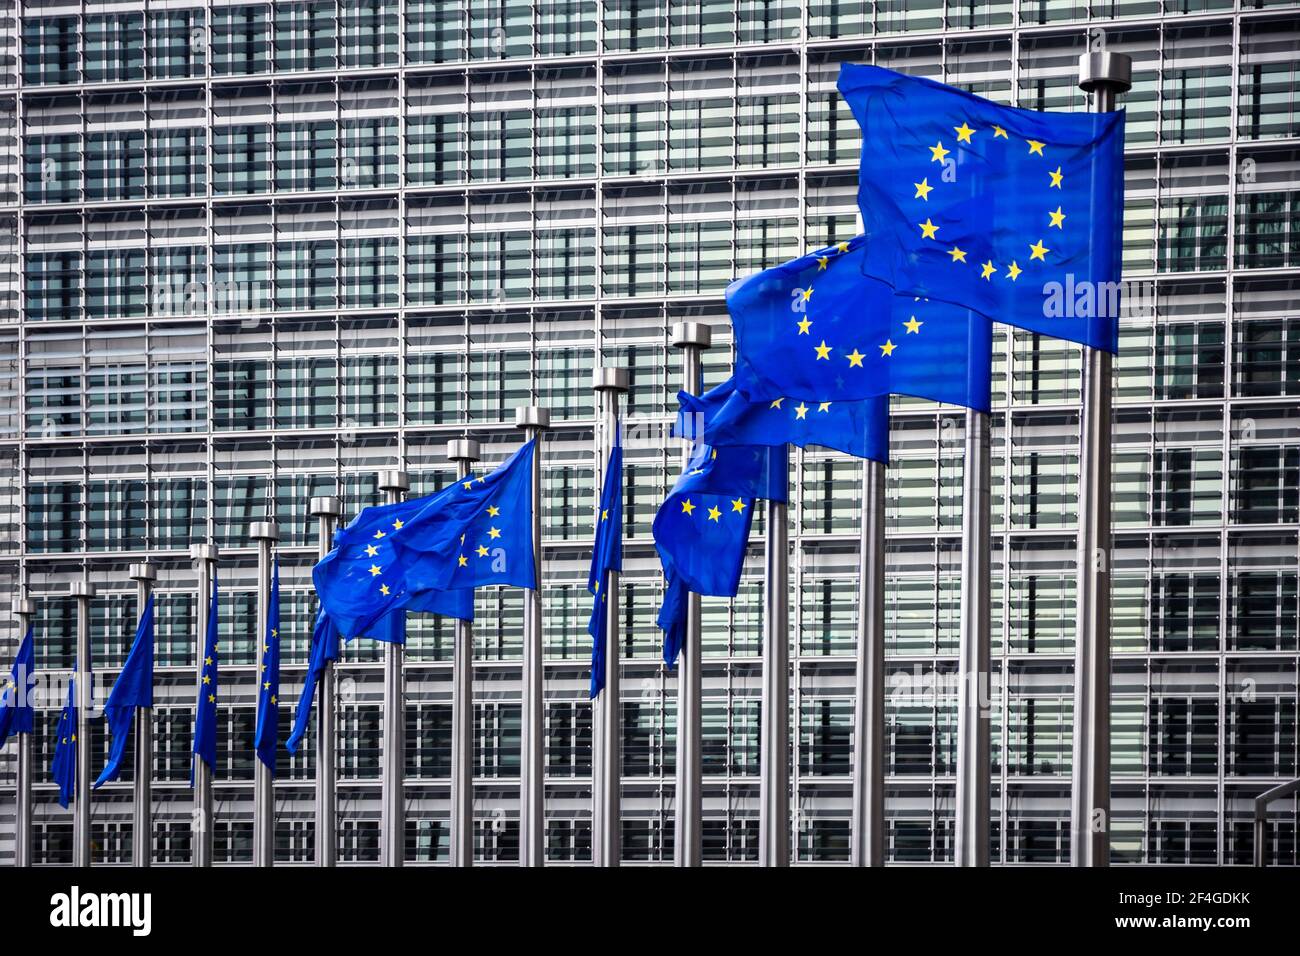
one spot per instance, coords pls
(262, 252)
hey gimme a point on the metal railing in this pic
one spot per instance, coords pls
(1261, 816)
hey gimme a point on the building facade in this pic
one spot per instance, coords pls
(258, 252)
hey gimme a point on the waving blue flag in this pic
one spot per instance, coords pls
(16, 697)
(63, 768)
(816, 330)
(1014, 213)
(606, 555)
(324, 648)
(476, 531)
(133, 688)
(205, 709)
(266, 734)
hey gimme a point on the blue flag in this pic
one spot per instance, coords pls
(606, 555)
(1014, 213)
(266, 735)
(324, 648)
(133, 688)
(476, 531)
(63, 768)
(205, 709)
(816, 330)
(16, 696)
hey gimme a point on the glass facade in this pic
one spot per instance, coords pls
(259, 252)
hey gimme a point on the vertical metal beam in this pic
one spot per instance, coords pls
(464, 452)
(532, 738)
(266, 534)
(82, 591)
(144, 576)
(24, 610)
(688, 843)
(1105, 75)
(774, 742)
(204, 557)
(392, 829)
(869, 682)
(607, 718)
(974, 772)
(326, 510)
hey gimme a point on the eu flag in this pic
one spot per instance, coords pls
(133, 688)
(606, 555)
(16, 695)
(1014, 213)
(815, 329)
(268, 689)
(324, 648)
(63, 768)
(205, 710)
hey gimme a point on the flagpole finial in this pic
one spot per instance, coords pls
(609, 379)
(83, 589)
(394, 481)
(143, 572)
(532, 416)
(203, 552)
(686, 334)
(464, 450)
(264, 531)
(24, 606)
(325, 506)
(1104, 70)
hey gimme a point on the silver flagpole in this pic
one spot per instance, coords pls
(326, 510)
(774, 743)
(532, 739)
(205, 557)
(392, 829)
(266, 534)
(688, 842)
(973, 718)
(464, 452)
(607, 738)
(1105, 75)
(25, 610)
(83, 591)
(869, 683)
(142, 817)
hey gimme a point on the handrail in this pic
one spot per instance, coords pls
(1261, 816)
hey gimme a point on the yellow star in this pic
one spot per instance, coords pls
(482, 551)
(821, 262)
(604, 514)
(1035, 147)
(807, 294)
(207, 662)
(493, 511)
(688, 508)
(1058, 217)
(963, 132)
(999, 131)
(371, 551)
(800, 411)
(482, 480)
(824, 351)
(1056, 178)
(379, 534)
(207, 679)
(842, 246)
(266, 685)
(1014, 271)
(928, 229)
(913, 324)
(923, 189)
(383, 589)
(273, 700)
(887, 348)
(397, 525)
(958, 254)
(855, 359)
(988, 268)
(494, 532)
(824, 407)
(374, 570)
(462, 561)
(212, 698)
(1038, 251)
(715, 514)
(467, 485)
(804, 326)
(938, 153)
(777, 403)
(737, 504)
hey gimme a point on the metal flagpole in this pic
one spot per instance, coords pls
(83, 591)
(25, 610)
(326, 510)
(688, 843)
(205, 557)
(774, 743)
(974, 772)
(392, 827)
(142, 817)
(464, 452)
(266, 534)
(532, 753)
(1105, 75)
(607, 737)
(869, 683)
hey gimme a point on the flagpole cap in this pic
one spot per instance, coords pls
(143, 572)
(686, 334)
(82, 589)
(606, 379)
(394, 481)
(462, 449)
(325, 506)
(264, 531)
(532, 416)
(1102, 69)
(203, 552)
(24, 606)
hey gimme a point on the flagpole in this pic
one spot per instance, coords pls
(869, 683)
(266, 534)
(24, 610)
(688, 843)
(532, 753)
(83, 591)
(392, 829)
(973, 718)
(205, 557)
(144, 576)
(326, 510)
(774, 744)
(607, 738)
(464, 452)
(1105, 75)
